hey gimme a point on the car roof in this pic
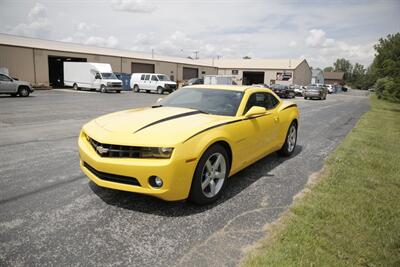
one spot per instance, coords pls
(240, 88)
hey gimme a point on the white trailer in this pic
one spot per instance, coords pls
(92, 76)
(219, 79)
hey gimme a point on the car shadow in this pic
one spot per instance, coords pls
(235, 184)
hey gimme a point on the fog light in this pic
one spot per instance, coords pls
(155, 181)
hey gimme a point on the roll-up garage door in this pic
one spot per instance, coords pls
(142, 68)
(189, 73)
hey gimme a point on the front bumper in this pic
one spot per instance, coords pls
(175, 172)
(312, 94)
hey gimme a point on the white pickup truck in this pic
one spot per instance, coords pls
(92, 76)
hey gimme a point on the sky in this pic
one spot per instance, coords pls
(319, 31)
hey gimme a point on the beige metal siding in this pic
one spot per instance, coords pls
(302, 74)
(18, 61)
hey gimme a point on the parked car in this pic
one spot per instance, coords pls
(92, 76)
(193, 81)
(283, 91)
(14, 87)
(298, 89)
(185, 146)
(152, 82)
(315, 91)
(330, 88)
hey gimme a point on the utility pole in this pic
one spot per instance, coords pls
(196, 53)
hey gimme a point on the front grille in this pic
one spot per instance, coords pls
(112, 177)
(114, 151)
(170, 86)
(116, 85)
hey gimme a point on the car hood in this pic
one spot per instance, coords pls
(162, 126)
(22, 83)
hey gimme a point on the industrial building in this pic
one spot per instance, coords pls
(267, 71)
(40, 62)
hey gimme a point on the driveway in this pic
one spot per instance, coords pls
(50, 214)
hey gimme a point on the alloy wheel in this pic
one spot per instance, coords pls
(291, 139)
(213, 175)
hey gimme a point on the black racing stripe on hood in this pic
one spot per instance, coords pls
(170, 118)
(212, 127)
(290, 106)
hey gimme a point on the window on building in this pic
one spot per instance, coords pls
(235, 72)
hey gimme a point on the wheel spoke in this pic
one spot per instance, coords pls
(209, 166)
(217, 162)
(219, 175)
(206, 182)
(212, 187)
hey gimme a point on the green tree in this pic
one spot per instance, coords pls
(345, 66)
(357, 76)
(329, 69)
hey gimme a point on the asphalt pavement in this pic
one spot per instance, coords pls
(50, 214)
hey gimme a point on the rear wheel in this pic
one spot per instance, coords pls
(147, 91)
(75, 86)
(290, 141)
(103, 89)
(118, 91)
(23, 91)
(136, 88)
(210, 176)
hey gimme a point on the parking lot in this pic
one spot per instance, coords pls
(51, 214)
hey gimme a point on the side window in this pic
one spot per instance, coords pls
(4, 78)
(271, 101)
(154, 78)
(142, 77)
(147, 77)
(256, 99)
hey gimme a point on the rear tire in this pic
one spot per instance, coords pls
(118, 91)
(23, 91)
(136, 88)
(75, 87)
(290, 141)
(210, 176)
(147, 91)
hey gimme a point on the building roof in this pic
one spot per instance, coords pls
(280, 64)
(12, 40)
(334, 75)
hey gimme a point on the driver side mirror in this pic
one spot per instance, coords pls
(255, 111)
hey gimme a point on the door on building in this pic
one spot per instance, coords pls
(56, 69)
(189, 73)
(253, 77)
(142, 68)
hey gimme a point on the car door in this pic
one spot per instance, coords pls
(262, 127)
(7, 85)
(96, 81)
(153, 82)
(146, 82)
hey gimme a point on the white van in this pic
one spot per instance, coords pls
(152, 82)
(86, 75)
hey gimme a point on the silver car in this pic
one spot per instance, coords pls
(315, 91)
(14, 87)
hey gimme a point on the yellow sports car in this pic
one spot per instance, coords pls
(189, 143)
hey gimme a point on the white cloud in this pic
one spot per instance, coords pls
(83, 35)
(293, 44)
(315, 38)
(37, 25)
(134, 6)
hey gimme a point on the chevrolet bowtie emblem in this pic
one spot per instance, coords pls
(102, 150)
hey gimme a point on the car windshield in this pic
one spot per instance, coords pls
(213, 101)
(109, 75)
(163, 77)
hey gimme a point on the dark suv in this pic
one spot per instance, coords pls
(283, 91)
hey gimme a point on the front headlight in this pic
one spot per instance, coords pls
(156, 152)
(109, 84)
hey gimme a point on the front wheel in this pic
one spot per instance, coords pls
(210, 176)
(290, 141)
(23, 91)
(160, 90)
(103, 89)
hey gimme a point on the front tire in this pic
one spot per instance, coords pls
(290, 141)
(210, 176)
(160, 90)
(23, 91)
(103, 89)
